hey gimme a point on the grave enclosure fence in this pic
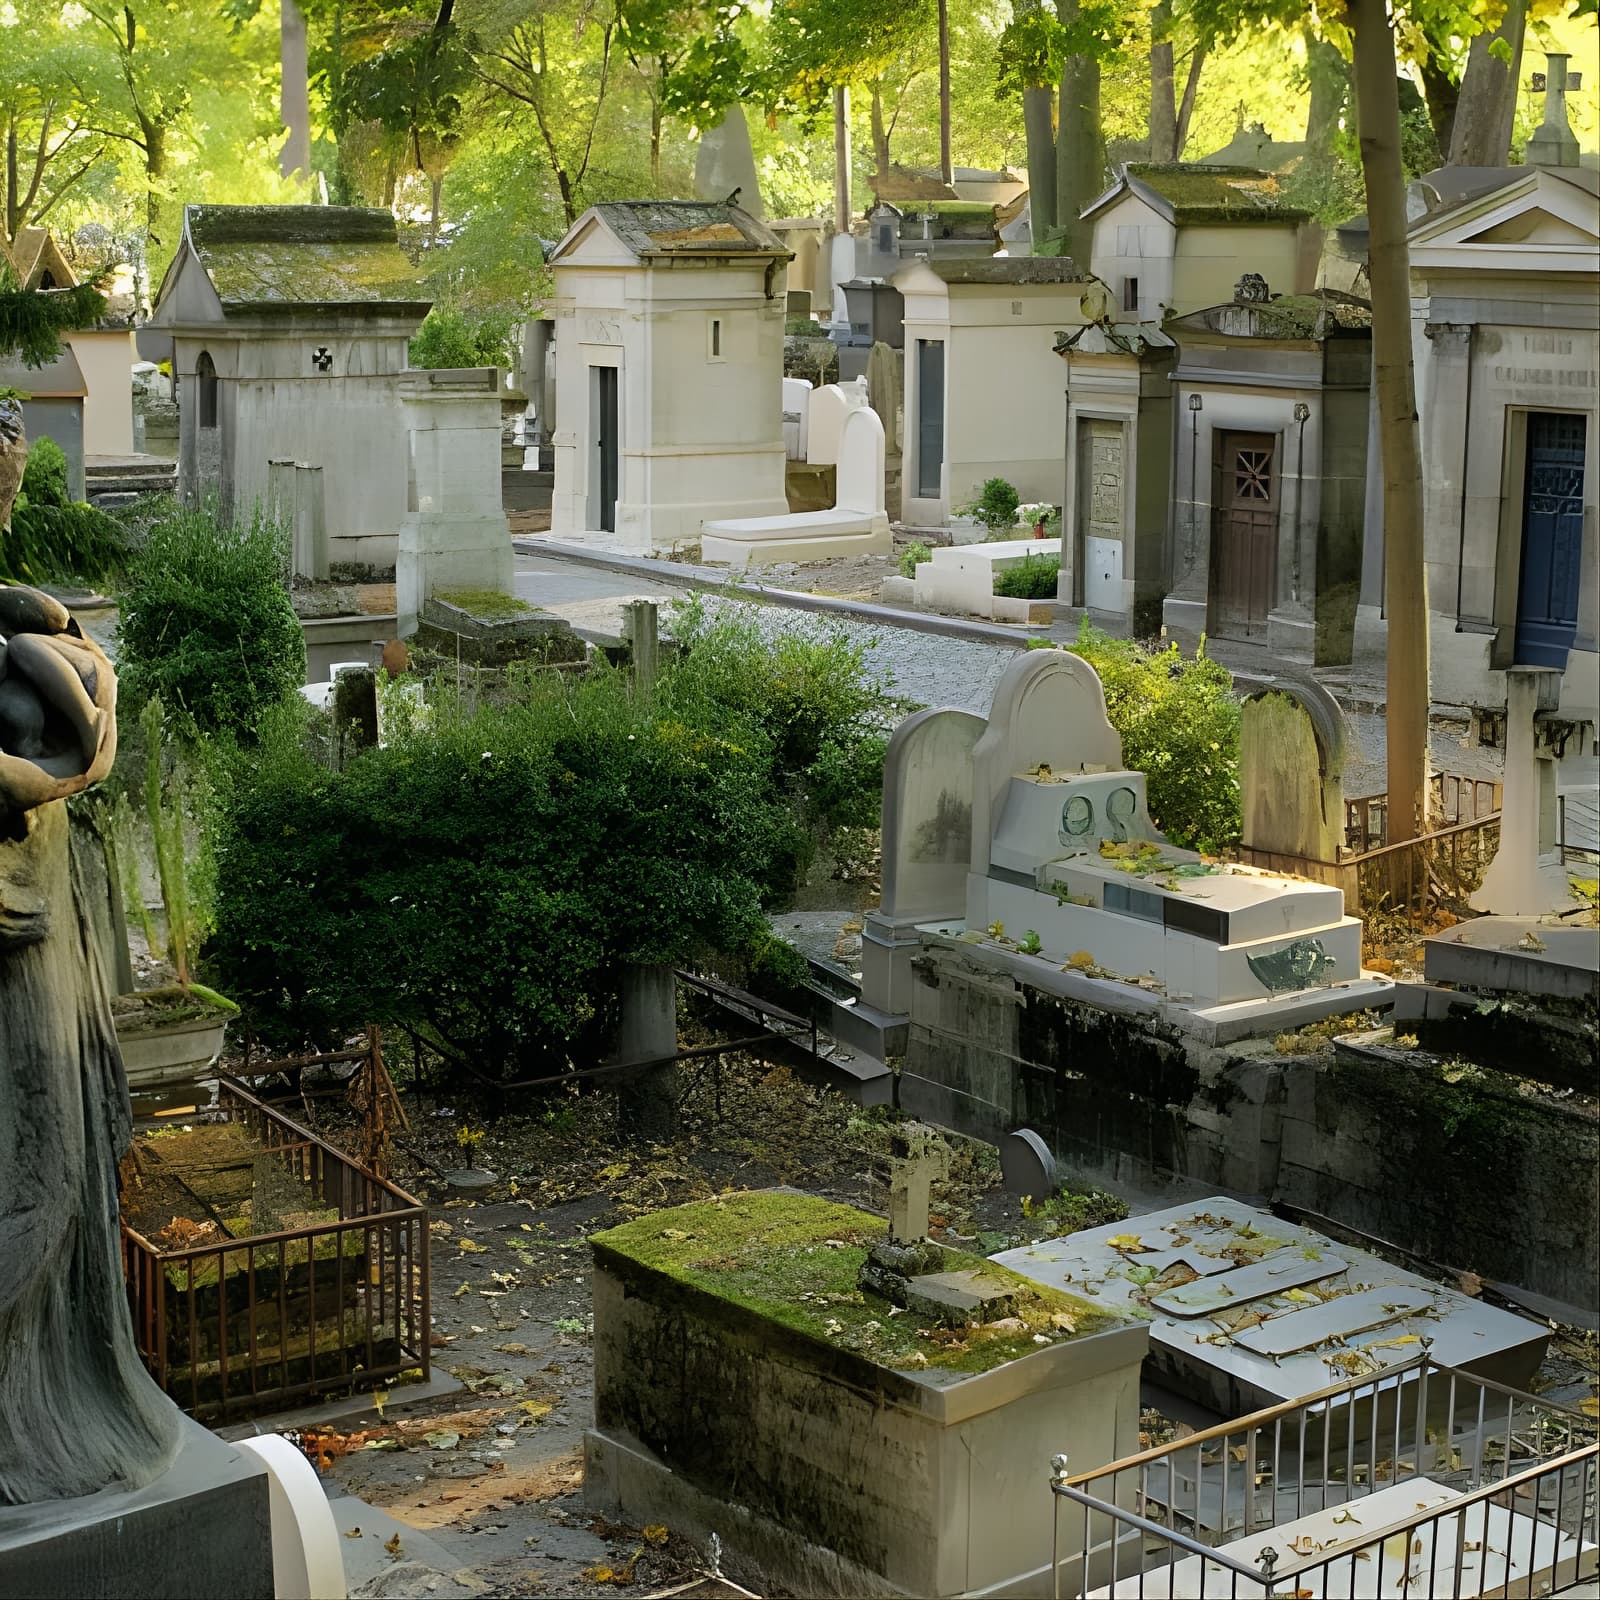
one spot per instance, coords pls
(234, 1326)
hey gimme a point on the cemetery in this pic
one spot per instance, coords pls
(783, 813)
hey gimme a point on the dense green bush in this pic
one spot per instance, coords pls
(482, 882)
(912, 557)
(1032, 578)
(60, 543)
(995, 507)
(1179, 722)
(447, 338)
(44, 474)
(813, 701)
(206, 624)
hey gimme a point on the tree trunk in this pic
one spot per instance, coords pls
(294, 94)
(1080, 147)
(1330, 84)
(155, 168)
(841, 160)
(655, 144)
(12, 219)
(946, 169)
(1487, 106)
(1191, 86)
(1163, 98)
(1039, 123)
(1394, 387)
(880, 136)
(1440, 95)
(435, 187)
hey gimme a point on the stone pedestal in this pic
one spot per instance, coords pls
(1526, 877)
(454, 538)
(202, 1529)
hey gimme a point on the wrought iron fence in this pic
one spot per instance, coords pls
(1418, 877)
(232, 1326)
(1421, 1480)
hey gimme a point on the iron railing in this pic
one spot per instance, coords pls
(1152, 1524)
(235, 1326)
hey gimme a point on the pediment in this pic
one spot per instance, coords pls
(590, 243)
(1533, 226)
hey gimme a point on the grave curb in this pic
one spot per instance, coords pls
(714, 580)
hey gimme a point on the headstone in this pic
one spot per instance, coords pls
(1291, 766)
(927, 847)
(860, 477)
(920, 1157)
(310, 523)
(883, 392)
(830, 405)
(1027, 1167)
(796, 418)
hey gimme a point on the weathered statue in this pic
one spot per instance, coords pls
(78, 1412)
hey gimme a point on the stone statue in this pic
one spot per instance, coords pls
(78, 1412)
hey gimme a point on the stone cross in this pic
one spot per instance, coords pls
(918, 1156)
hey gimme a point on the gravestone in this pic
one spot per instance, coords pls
(725, 164)
(883, 392)
(105, 1488)
(1027, 1166)
(927, 845)
(831, 403)
(1291, 767)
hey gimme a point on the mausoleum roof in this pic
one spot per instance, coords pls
(33, 253)
(1004, 269)
(298, 256)
(653, 229)
(1114, 338)
(1322, 314)
(1186, 192)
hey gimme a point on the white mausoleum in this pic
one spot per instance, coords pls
(670, 364)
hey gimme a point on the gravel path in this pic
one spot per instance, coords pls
(924, 669)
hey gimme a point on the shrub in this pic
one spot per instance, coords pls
(1032, 578)
(912, 557)
(448, 339)
(59, 543)
(44, 476)
(483, 883)
(1179, 723)
(995, 507)
(207, 626)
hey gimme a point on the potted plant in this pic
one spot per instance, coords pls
(995, 509)
(176, 1030)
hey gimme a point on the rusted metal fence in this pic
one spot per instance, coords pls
(1453, 798)
(234, 1326)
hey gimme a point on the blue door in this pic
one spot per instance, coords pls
(1552, 540)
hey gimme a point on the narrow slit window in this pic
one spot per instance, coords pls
(716, 338)
(205, 378)
(1130, 294)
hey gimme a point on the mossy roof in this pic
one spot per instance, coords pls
(295, 256)
(1322, 314)
(652, 228)
(1002, 270)
(1188, 192)
(793, 1259)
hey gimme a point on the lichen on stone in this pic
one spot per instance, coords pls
(794, 1259)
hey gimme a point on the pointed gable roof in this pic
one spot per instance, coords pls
(1540, 219)
(660, 230)
(37, 260)
(1196, 192)
(266, 259)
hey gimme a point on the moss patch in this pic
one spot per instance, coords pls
(486, 602)
(793, 1259)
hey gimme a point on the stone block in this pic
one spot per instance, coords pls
(452, 630)
(957, 1299)
(202, 1529)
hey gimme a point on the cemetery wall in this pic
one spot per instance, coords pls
(1475, 1174)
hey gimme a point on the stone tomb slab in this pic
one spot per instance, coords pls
(959, 1297)
(1247, 1351)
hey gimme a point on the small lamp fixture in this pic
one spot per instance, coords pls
(1301, 411)
(1194, 401)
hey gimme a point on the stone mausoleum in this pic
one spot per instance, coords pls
(288, 329)
(669, 355)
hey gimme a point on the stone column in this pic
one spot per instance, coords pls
(456, 537)
(1526, 878)
(310, 523)
(648, 1031)
(1553, 143)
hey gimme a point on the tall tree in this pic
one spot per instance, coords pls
(947, 169)
(1170, 115)
(1370, 28)
(1481, 135)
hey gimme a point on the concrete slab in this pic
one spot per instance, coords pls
(1209, 1357)
(1522, 955)
(376, 1545)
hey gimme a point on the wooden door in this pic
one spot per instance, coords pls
(1552, 540)
(1244, 535)
(606, 443)
(930, 417)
